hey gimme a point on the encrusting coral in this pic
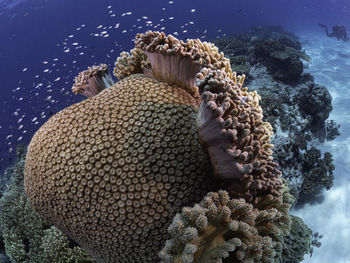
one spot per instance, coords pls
(113, 170)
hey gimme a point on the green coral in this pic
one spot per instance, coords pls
(55, 248)
(26, 236)
(298, 242)
(240, 65)
(318, 171)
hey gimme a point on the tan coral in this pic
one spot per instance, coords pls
(220, 227)
(92, 81)
(177, 62)
(230, 124)
(205, 54)
(229, 120)
(130, 63)
(113, 170)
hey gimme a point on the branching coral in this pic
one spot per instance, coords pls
(198, 232)
(318, 171)
(220, 227)
(55, 248)
(298, 242)
(92, 81)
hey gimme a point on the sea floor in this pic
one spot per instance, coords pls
(330, 215)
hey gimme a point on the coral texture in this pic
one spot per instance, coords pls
(285, 100)
(113, 170)
(220, 227)
(238, 141)
(26, 235)
(278, 50)
(130, 63)
(177, 62)
(119, 167)
(92, 81)
(315, 102)
(298, 242)
(229, 120)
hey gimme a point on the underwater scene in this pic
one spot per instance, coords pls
(175, 131)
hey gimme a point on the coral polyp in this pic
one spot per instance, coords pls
(130, 160)
(92, 81)
(113, 170)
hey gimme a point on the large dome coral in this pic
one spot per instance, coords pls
(113, 170)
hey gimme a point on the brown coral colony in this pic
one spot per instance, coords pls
(230, 125)
(112, 171)
(92, 81)
(229, 120)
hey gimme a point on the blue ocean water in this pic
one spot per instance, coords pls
(45, 44)
(67, 36)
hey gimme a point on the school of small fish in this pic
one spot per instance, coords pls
(50, 90)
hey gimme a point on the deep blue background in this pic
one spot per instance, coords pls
(34, 31)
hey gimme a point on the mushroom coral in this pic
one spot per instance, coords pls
(113, 170)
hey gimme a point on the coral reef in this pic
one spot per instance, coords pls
(298, 242)
(238, 141)
(278, 50)
(315, 243)
(177, 62)
(319, 171)
(113, 170)
(315, 102)
(26, 236)
(296, 133)
(119, 167)
(306, 177)
(297, 126)
(332, 130)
